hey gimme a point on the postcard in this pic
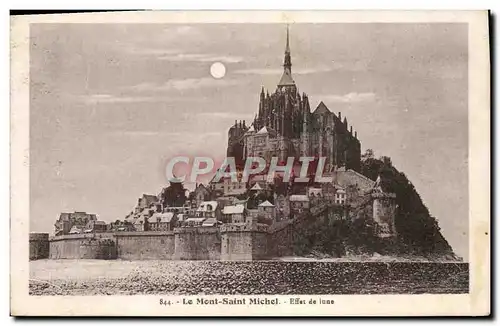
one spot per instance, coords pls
(257, 163)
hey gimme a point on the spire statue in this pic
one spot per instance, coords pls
(286, 78)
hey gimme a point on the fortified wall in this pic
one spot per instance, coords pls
(39, 246)
(249, 241)
(230, 242)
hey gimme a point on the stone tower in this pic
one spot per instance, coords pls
(292, 129)
(384, 210)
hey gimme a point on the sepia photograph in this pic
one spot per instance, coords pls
(261, 162)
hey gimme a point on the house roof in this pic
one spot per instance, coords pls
(75, 229)
(150, 198)
(250, 130)
(239, 191)
(266, 204)
(321, 109)
(262, 131)
(166, 217)
(235, 209)
(204, 206)
(161, 217)
(299, 198)
(195, 219)
(210, 222)
(256, 186)
(139, 220)
(64, 216)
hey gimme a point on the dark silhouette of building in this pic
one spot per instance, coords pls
(286, 127)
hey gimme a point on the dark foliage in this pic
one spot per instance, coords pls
(174, 195)
(418, 231)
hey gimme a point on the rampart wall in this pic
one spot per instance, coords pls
(145, 245)
(83, 246)
(229, 242)
(195, 243)
(39, 246)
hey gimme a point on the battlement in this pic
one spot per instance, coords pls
(197, 230)
(244, 227)
(39, 237)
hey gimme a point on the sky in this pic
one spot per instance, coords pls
(111, 103)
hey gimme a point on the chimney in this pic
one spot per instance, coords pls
(351, 130)
(340, 116)
(235, 123)
(245, 126)
(356, 134)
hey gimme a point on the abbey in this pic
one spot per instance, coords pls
(285, 126)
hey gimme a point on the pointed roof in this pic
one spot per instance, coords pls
(250, 130)
(233, 209)
(321, 109)
(256, 187)
(286, 79)
(262, 131)
(266, 204)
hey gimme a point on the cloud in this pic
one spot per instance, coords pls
(107, 98)
(112, 99)
(222, 114)
(185, 84)
(198, 57)
(277, 71)
(348, 98)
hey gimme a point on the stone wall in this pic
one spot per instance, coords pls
(280, 240)
(83, 246)
(39, 246)
(145, 245)
(197, 243)
(384, 214)
(244, 242)
(230, 242)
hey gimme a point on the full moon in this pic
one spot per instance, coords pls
(217, 70)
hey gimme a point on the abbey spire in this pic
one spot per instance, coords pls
(286, 78)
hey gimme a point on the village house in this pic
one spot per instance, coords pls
(141, 222)
(194, 222)
(340, 196)
(95, 227)
(200, 194)
(234, 213)
(66, 222)
(299, 204)
(234, 188)
(282, 207)
(267, 210)
(210, 222)
(208, 209)
(76, 229)
(314, 192)
(162, 221)
(146, 201)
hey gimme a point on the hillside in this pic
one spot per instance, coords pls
(418, 231)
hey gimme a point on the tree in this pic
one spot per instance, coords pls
(418, 231)
(368, 155)
(174, 195)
